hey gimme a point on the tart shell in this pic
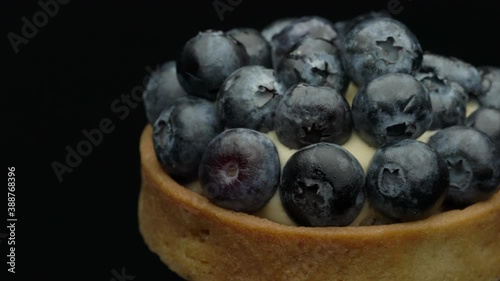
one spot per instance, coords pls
(203, 242)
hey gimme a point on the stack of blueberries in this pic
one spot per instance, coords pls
(213, 108)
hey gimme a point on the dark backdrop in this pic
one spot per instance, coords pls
(82, 60)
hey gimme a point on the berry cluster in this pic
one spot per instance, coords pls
(212, 107)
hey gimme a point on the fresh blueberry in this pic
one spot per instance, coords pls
(345, 26)
(275, 27)
(313, 61)
(162, 90)
(454, 70)
(473, 163)
(406, 180)
(380, 46)
(258, 49)
(314, 27)
(240, 170)
(310, 114)
(489, 93)
(322, 185)
(248, 98)
(207, 60)
(182, 132)
(391, 108)
(486, 120)
(448, 99)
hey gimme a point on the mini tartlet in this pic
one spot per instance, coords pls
(203, 242)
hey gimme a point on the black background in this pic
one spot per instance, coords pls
(67, 76)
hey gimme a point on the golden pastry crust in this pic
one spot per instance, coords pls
(203, 242)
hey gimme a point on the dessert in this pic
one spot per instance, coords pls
(201, 241)
(425, 211)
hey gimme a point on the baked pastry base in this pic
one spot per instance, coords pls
(203, 242)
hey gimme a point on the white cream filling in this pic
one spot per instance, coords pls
(274, 210)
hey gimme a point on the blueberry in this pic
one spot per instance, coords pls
(391, 108)
(473, 163)
(489, 93)
(248, 98)
(258, 49)
(322, 185)
(454, 70)
(380, 46)
(310, 114)
(313, 26)
(275, 27)
(486, 120)
(406, 180)
(162, 90)
(207, 60)
(240, 170)
(313, 61)
(182, 132)
(448, 99)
